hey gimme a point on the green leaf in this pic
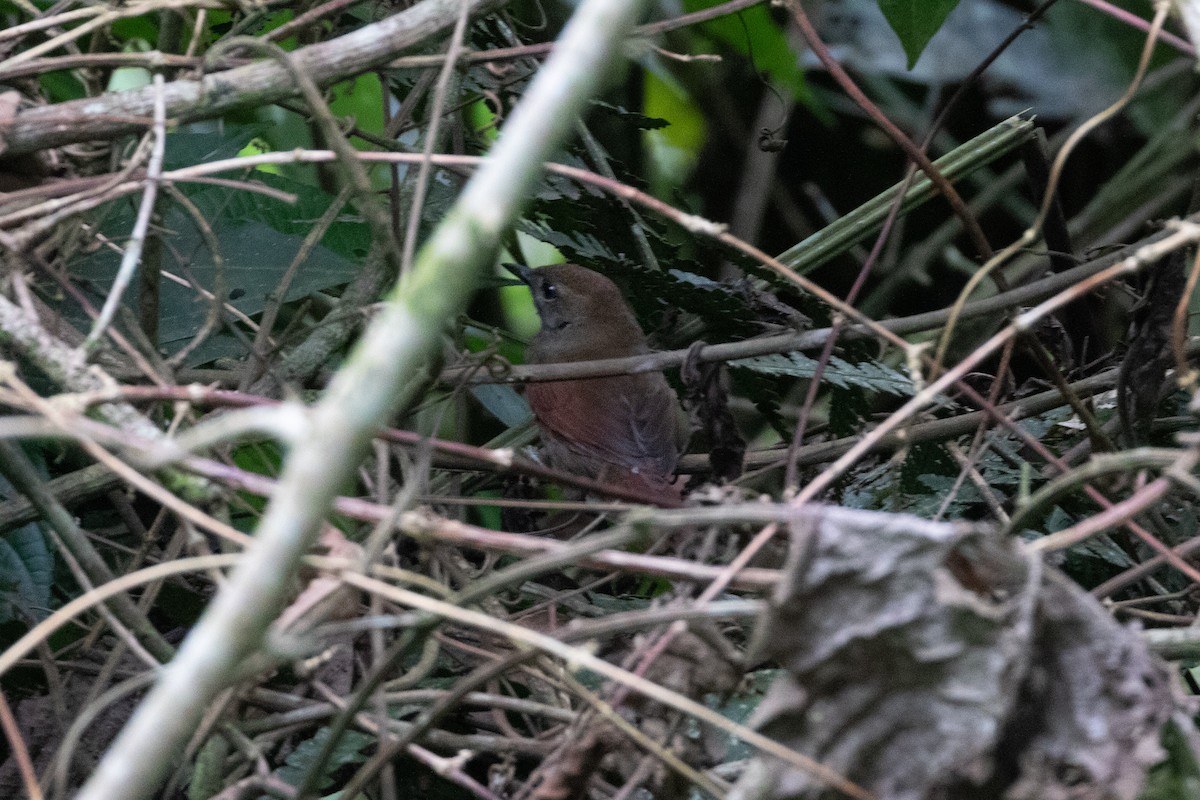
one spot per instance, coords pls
(347, 751)
(915, 22)
(847, 410)
(124, 79)
(255, 254)
(755, 34)
(503, 403)
(767, 393)
(258, 238)
(62, 86)
(140, 27)
(26, 568)
(674, 148)
(360, 99)
(26, 572)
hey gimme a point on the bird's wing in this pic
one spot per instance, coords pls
(627, 420)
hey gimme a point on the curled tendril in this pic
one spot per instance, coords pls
(769, 140)
(497, 366)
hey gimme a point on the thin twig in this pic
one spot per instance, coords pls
(582, 658)
(137, 239)
(19, 750)
(417, 203)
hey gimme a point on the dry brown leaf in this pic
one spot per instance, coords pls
(926, 661)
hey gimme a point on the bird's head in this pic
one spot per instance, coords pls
(583, 314)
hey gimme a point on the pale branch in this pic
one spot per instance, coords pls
(118, 113)
(375, 380)
(68, 367)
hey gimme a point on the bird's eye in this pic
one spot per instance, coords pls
(549, 291)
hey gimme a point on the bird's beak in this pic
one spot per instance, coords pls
(524, 273)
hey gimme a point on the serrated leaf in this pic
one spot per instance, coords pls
(915, 22)
(924, 462)
(347, 751)
(766, 392)
(847, 410)
(870, 375)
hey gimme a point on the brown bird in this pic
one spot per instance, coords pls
(625, 429)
